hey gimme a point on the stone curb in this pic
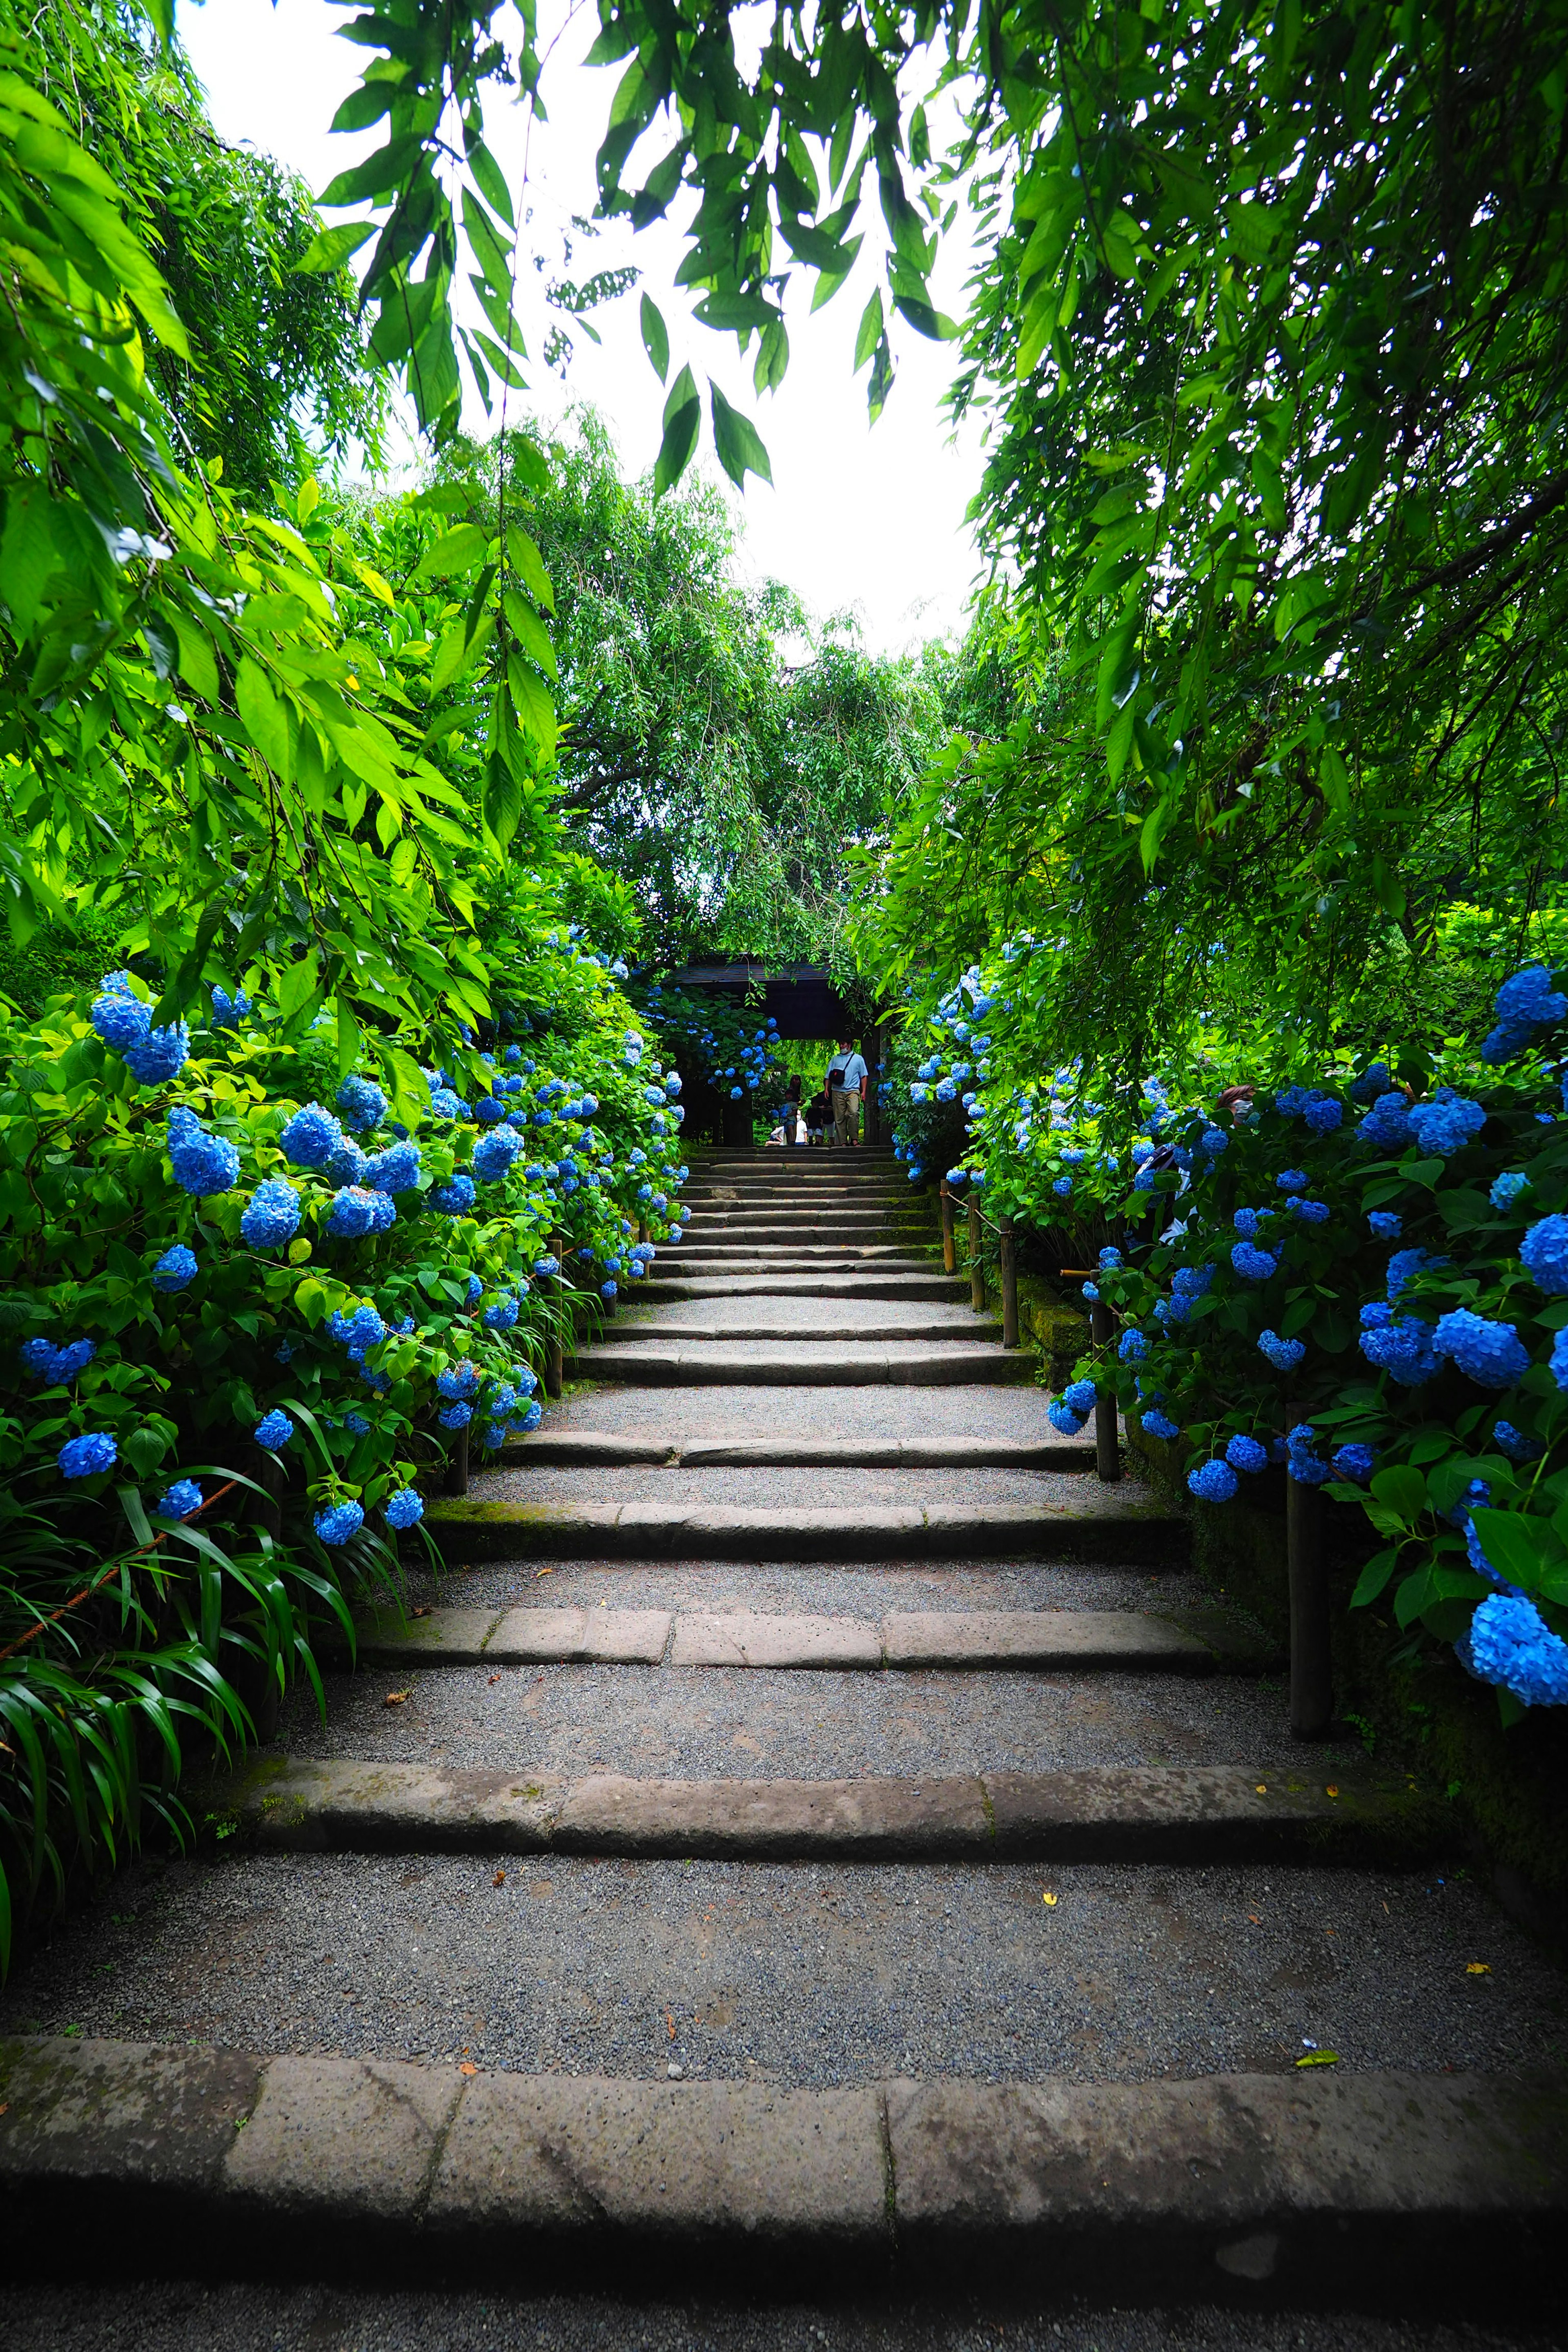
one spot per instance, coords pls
(712, 1365)
(571, 1449)
(297, 2167)
(1059, 1641)
(663, 1282)
(1212, 1812)
(982, 1332)
(467, 1530)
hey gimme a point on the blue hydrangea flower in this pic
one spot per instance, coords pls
(271, 1216)
(56, 1367)
(1386, 1125)
(352, 1213)
(1110, 1259)
(1406, 1263)
(1245, 1222)
(228, 1011)
(1079, 1396)
(1252, 1265)
(1507, 1187)
(1384, 1225)
(1062, 1187)
(1524, 1004)
(87, 1456)
(1244, 1452)
(1511, 1644)
(1477, 1558)
(1323, 1115)
(550, 1264)
(1155, 1424)
(489, 1111)
(362, 1104)
(1405, 1350)
(456, 1416)
(347, 1164)
(608, 1289)
(1131, 1346)
(494, 1153)
(180, 1500)
(1476, 1497)
(1491, 1354)
(1092, 1292)
(396, 1170)
(1292, 1180)
(1515, 1445)
(121, 1020)
(273, 1431)
(175, 1268)
(1214, 1481)
(502, 1313)
(1062, 1418)
(530, 1419)
(1283, 1354)
(456, 1381)
(455, 1199)
(310, 1138)
(1311, 1212)
(202, 1163)
(1544, 1251)
(1373, 1080)
(338, 1524)
(1301, 1462)
(1446, 1123)
(406, 1508)
(1354, 1463)
(159, 1056)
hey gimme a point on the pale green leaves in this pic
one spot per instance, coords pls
(737, 441)
(656, 337)
(682, 422)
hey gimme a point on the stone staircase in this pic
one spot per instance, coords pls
(812, 1831)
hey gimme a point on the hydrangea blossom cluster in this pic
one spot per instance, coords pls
(1525, 1003)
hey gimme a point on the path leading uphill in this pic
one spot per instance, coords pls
(819, 1839)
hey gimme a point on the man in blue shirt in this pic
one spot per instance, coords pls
(847, 1080)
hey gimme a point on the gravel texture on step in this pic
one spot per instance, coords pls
(838, 1488)
(819, 1588)
(184, 2316)
(669, 1723)
(825, 1318)
(797, 1974)
(880, 1410)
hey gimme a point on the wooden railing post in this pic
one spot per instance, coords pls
(554, 1348)
(1009, 1283)
(976, 1271)
(1107, 1451)
(949, 1253)
(1311, 1663)
(457, 1463)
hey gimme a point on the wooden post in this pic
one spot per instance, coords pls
(1107, 1452)
(976, 1271)
(457, 1463)
(1311, 1663)
(554, 1349)
(1009, 1284)
(949, 1253)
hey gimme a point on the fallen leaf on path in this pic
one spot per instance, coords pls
(467, 2067)
(542, 1571)
(1320, 2058)
(395, 1698)
(495, 1679)
(1263, 1788)
(670, 2022)
(499, 1878)
(1049, 1899)
(1478, 1968)
(1331, 1793)
(1253, 1919)
(424, 1610)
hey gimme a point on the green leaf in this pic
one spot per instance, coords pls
(934, 324)
(1521, 1547)
(1374, 1577)
(1403, 1491)
(530, 632)
(682, 422)
(330, 247)
(738, 441)
(263, 715)
(655, 336)
(870, 330)
(527, 561)
(455, 551)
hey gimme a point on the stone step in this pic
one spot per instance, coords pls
(1338, 2187)
(802, 1252)
(1057, 1640)
(1164, 1814)
(670, 1280)
(591, 1449)
(827, 1331)
(839, 1366)
(1113, 1533)
(802, 1226)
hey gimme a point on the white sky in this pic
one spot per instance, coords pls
(858, 515)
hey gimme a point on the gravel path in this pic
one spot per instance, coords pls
(733, 1724)
(801, 1975)
(882, 1411)
(1078, 1491)
(839, 1318)
(188, 2316)
(818, 1589)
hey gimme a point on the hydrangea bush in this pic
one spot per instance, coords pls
(1358, 1277)
(231, 1279)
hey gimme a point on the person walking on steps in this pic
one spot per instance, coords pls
(847, 1080)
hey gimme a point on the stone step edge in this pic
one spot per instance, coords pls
(467, 1528)
(1061, 1641)
(710, 1364)
(342, 2167)
(1209, 1812)
(980, 1333)
(572, 1449)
